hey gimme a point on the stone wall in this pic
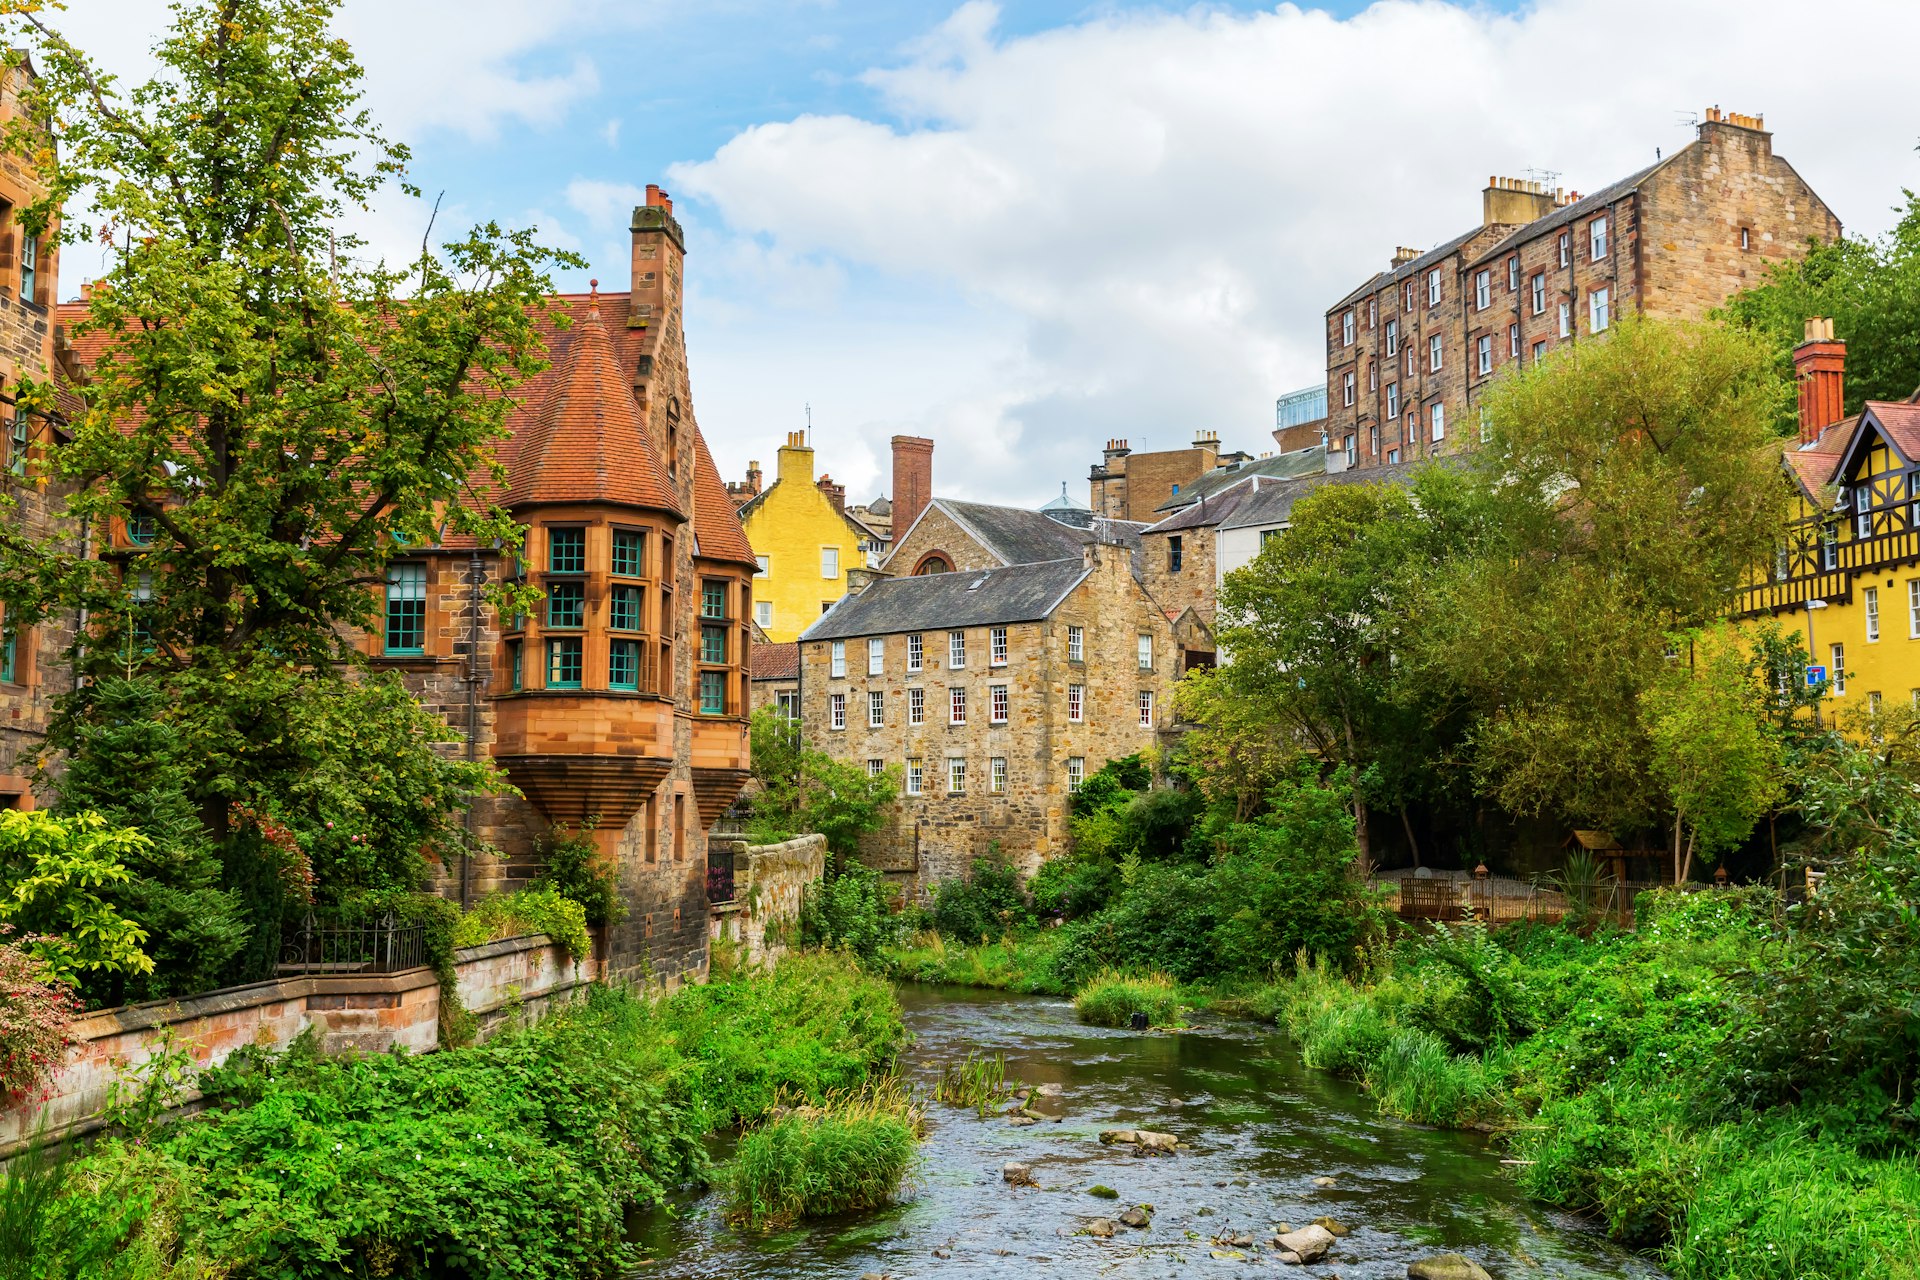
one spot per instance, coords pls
(368, 1013)
(769, 883)
(937, 533)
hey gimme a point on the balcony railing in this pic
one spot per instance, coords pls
(378, 944)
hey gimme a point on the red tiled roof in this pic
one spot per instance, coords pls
(716, 525)
(585, 441)
(1901, 419)
(775, 661)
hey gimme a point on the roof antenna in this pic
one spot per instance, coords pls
(809, 408)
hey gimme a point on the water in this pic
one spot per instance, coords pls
(1262, 1128)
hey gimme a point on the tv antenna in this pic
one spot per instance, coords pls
(1545, 177)
(1686, 119)
(809, 409)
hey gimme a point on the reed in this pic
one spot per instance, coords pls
(852, 1153)
(1110, 999)
(979, 1082)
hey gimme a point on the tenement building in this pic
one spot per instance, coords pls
(993, 692)
(1125, 485)
(621, 700)
(1411, 351)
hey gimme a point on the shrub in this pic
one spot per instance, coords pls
(1416, 1077)
(847, 909)
(526, 911)
(577, 869)
(35, 1010)
(988, 904)
(1111, 999)
(848, 1155)
(1164, 919)
(56, 875)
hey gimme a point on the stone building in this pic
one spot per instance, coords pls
(1126, 485)
(994, 692)
(1411, 351)
(623, 698)
(32, 671)
(805, 541)
(950, 535)
(776, 678)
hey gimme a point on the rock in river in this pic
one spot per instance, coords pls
(1101, 1227)
(1135, 1217)
(1144, 1139)
(1308, 1244)
(1447, 1266)
(1020, 1175)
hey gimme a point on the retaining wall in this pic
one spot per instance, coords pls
(370, 1013)
(769, 883)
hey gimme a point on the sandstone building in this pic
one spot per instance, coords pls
(623, 697)
(1126, 485)
(994, 691)
(1411, 351)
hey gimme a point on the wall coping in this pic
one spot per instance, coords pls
(506, 946)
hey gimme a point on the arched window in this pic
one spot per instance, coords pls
(932, 562)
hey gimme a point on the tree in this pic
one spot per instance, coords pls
(280, 414)
(1716, 754)
(1630, 484)
(53, 872)
(802, 790)
(1870, 288)
(1316, 629)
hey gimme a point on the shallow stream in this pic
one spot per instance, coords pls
(1260, 1130)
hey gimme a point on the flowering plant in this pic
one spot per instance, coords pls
(35, 1010)
(282, 847)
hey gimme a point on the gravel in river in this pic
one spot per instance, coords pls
(1262, 1135)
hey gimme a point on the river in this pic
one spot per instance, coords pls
(1261, 1127)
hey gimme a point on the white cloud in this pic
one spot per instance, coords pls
(610, 133)
(1143, 217)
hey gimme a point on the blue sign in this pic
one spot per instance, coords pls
(1816, 676)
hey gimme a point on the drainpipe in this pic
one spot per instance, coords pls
(476, 568)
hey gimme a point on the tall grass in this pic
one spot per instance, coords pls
(1110, 999)
(1416, 1077)
(850, 1154)
(1011, 964)
(978, 1082)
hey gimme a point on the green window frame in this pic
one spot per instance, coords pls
(141, 527)
(566, 604)
(629, 553)
(624, 608)
(713, 599)
(515, 664)
(623, 664)
(29, 267)
(564, 662)
(406, 631)
(19, 438)
(566, 550)
(9, 656)
(713, 645)
(713, 693)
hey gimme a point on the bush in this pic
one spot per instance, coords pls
(57, 875)
(1416, 1077)
(35, 1010)
(577, 869)
(1025, 964)
(987, 905)
(1111, 999)
(848, 1155)
(1164, 919)
(848, 909)
(522, 912)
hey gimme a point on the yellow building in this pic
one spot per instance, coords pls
(1847, 576)
(804, 541)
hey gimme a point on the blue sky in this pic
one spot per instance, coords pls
(1024, 228)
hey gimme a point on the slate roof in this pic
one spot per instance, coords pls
(1300, 462)
(946, 601)
(1273, 504)
(775, 661)
(1212, 508)
(1016, 535)
(1579, 209)
(1413, 267)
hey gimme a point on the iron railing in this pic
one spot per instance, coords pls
(1500, 901)
(720, 887)
(369, 945)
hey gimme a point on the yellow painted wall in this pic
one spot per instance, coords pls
(790, 525)
(1871, 592)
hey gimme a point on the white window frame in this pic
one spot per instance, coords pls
(956, 775)
(1393, 337)
(1513, 273)
(1599, 310)
(1436, 354)
(1347, 388)
(997, 775)
(837, 664)
(1373, 375)
(876, 767)
(1566, 248)
(1566, 319)
(1837, 672)
(1076, 773)
(1076, 644)
(956, 651)
(915, 652)
(1433, 287)
(1412, 362)
(916, 706)
(837, 710)
(763, 613)
(1373, 313)
(1146, 709)
(1913, 608)
(916, 776)
(1393, 399)
(876, 656)
(1597, 239)
(876, 709)
(1870, 607)
(1513, 341)
(996, 646)
(957, 704)
(1350, 450)
(1830, 549)
(1143, 649)
(830, 564)
(1076, 703)
(1437, 421)
(1538, 289)
(759, 566)
(1482, 290)
(997, 704)
(1484, 354)
(1346, 329)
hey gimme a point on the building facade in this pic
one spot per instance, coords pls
(1411, 352)
(805, 542)
(993, 693)
(953, 536)
(1126, 485)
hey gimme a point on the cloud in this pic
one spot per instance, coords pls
(1138, 220)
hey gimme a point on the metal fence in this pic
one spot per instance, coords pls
(1499, 901)
(719, 872)
(378, 944)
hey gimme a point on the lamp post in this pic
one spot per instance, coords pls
(1812, 654)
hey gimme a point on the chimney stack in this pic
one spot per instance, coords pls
(1403, 255)
(912, 481)
(836, 493)
(1514, 201)
(1819, 365)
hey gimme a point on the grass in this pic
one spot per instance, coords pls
(849, 1154)
(978, 1082)
(1110, 999)
(1023, 964)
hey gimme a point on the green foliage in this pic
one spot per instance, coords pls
(804, 791)
(1025, 964)
(526, 911)
(125, 763)
(1111, 998)
(577, 869)
(978, 1082)
(848, 909)
(848, 1155)
(988, 904)
(1112, 782)
(1164, 918)
(112, 1217)
(1871, 291)
(55, 877)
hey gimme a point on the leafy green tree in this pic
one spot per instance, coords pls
(1870, 288)
(281, 414)
(1629, 486)
(1716, 755)
(805, 791)
(127, 766)
(55, 877)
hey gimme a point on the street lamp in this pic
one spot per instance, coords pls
(1812, 653)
